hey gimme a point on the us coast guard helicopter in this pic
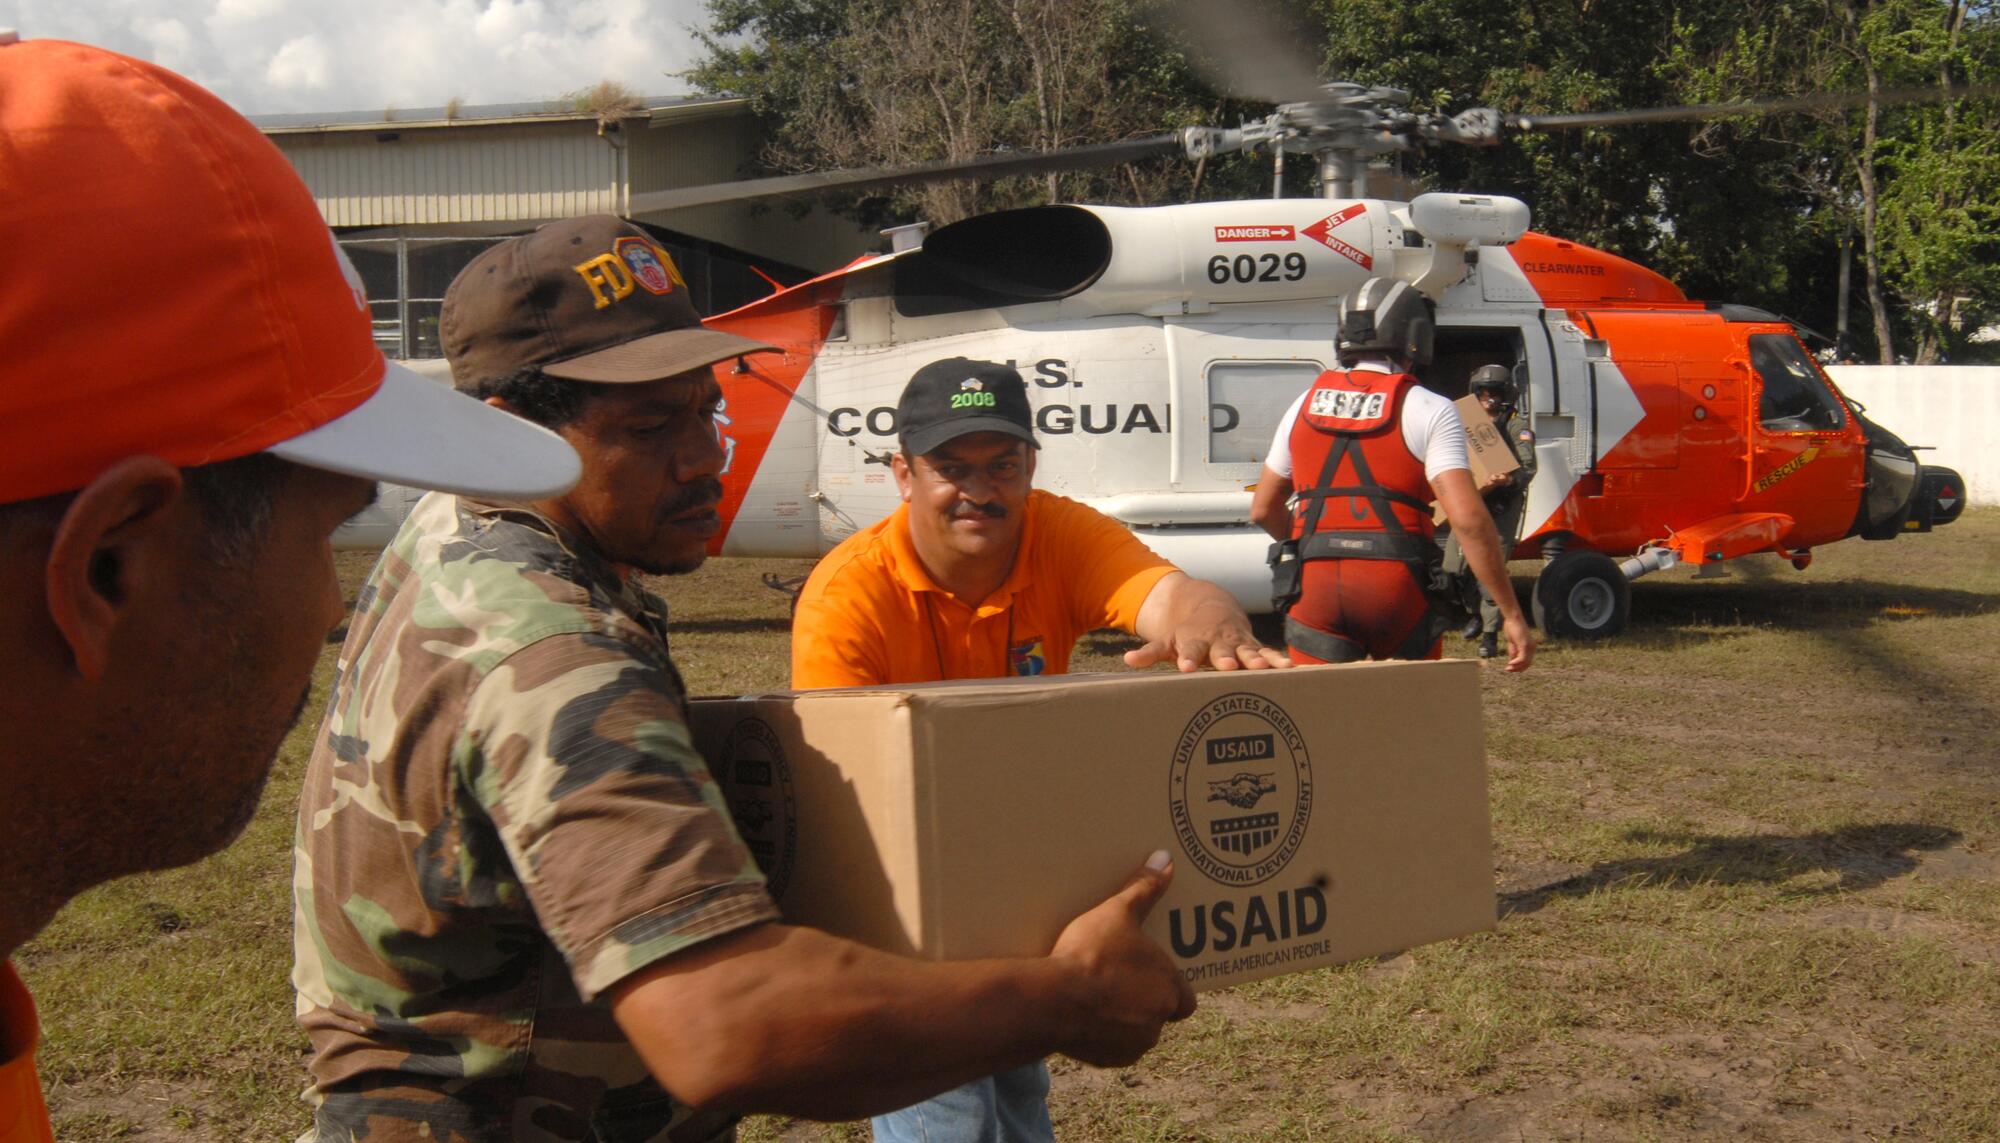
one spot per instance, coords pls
(1162, 344)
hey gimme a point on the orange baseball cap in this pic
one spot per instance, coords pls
(173, 292)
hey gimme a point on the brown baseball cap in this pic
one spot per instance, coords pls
(588, 299)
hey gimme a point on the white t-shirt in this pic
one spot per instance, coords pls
(1431, 428)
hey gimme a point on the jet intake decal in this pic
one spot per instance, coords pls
(1322, 233)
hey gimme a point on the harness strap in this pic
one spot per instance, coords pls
(1418, 643)
(1365, 546)
(1362, 490)
(1415, 551)
(1322, 645)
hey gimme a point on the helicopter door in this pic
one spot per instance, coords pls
(1797, 421)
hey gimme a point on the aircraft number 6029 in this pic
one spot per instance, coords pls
(1256, 268)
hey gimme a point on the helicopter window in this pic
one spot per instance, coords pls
(1246, 399)
(1795, 399)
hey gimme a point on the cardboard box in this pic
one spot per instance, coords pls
(1315, 816)
(1491, 454)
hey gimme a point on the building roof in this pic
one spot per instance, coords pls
(653, 108)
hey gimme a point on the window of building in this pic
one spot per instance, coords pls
(406, 279)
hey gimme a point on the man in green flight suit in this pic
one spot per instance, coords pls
(1506, 494)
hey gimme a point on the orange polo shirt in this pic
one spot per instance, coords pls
(871, 615)
(23, 1118)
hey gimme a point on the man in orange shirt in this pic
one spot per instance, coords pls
(977, 575)
(180, 433)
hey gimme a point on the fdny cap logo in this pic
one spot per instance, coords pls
(633, 264)
(1240, 790)
(650, 266)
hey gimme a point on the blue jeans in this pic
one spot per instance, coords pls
(1012, 1107)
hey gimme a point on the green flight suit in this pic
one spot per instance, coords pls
(1507, 504)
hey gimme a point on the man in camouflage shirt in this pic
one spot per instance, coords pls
(519, 898)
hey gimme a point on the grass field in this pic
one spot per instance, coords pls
(1748, 870)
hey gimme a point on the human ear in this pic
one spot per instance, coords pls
(900, 465)
(112, 541)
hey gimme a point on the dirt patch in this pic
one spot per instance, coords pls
(1971, 944)
(144, 1112)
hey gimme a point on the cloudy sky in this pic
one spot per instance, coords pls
(267, 56)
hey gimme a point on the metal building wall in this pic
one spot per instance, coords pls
(714, 150)
(459, 175)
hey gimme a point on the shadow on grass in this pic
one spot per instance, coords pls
(1847, 615)
(1765, 601)
(1864, 856)
(775, 625)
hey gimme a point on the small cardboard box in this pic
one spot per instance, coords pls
(1314, 816)
(1491, 454)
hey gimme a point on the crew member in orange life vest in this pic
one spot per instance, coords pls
(1370, 447)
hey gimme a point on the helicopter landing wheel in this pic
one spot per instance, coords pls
(1582, 595)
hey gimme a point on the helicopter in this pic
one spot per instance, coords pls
(1162, 344)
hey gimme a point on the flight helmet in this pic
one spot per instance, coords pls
(1383, 315)
(1496, 379)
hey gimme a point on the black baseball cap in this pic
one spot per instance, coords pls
(947, 399)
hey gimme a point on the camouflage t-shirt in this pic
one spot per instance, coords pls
(503, 817)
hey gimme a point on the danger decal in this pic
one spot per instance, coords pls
(1255, 234)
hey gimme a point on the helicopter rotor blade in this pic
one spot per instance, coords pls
(870, 178)
(1773, 105)
(1241, 51)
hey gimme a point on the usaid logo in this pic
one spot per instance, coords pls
(1240, 789)
(760, 799)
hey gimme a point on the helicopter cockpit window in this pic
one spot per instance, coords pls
(1246, 400)
(1795, 398)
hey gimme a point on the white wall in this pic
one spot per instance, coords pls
(1955, 408)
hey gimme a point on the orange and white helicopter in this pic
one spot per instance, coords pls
(1162, 344)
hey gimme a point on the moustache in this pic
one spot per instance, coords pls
(704, 492)
(967, 509)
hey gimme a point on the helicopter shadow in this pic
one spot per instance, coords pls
(1763, 599)
(1863, 856)
(1848, 615)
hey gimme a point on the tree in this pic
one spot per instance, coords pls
(1914, 181)
(1750, 209)
(886, 82)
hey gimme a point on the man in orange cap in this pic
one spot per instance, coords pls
(180, 433)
